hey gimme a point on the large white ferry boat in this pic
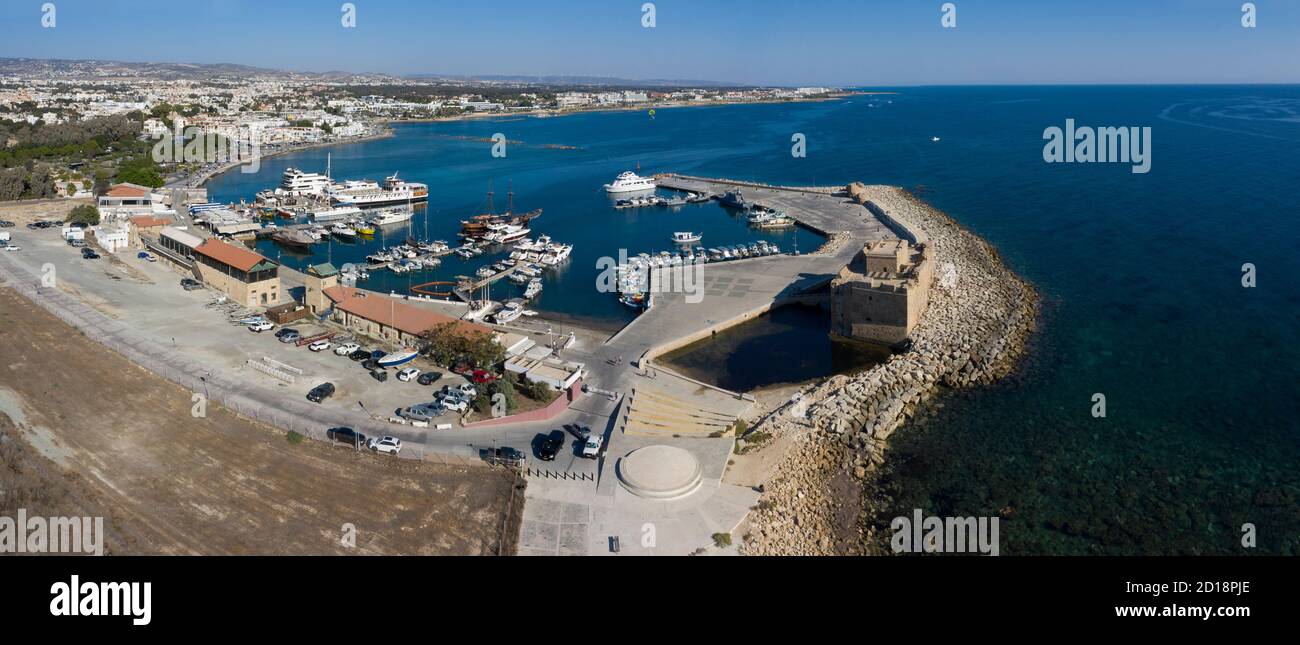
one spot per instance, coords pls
(630, 182)
(368, 194)
(298, 183)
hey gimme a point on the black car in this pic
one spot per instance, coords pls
(551, 446)
(89, 254)
(579, 432)
(380, 375)
(321, 392)
(285, 332)
(428, 378)
(370, 364)
(346, 435)
(508, 457)
(359, 355)
(4, 223)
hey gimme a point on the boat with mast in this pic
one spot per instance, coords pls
(480, 225)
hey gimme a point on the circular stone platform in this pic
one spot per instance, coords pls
(660, 472)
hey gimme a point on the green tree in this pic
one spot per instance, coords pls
(140, 170)
(83, 214)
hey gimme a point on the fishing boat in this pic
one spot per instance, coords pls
(398, 358)
(687, 237)
(485, 272)
(634, 300)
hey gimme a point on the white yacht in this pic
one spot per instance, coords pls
(392, 216)
(506, 233)
(534, 288)
(335, 214)
(298, 183)
(343, 232)
(630, 182)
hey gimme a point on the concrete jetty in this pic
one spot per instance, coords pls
(731, 293)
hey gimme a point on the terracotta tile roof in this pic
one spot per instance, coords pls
(147, 221)
(237, 257)
(394, 313)
(127, 190)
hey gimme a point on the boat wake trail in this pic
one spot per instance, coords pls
(1222, 114)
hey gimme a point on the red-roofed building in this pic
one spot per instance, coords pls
(123, 201)
(388, 318)
(148, 225)
(248, 278)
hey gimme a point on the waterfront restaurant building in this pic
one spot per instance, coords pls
(248, 278)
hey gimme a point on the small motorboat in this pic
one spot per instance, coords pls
(687, 237)
(398, 358)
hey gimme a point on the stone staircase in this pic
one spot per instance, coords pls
(652, 413)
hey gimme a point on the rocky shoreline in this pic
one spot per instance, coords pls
(973, 332)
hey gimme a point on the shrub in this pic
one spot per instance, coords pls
(294, 438)
(722, 540)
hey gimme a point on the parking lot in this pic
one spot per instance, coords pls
(148, 296)
(149, 299)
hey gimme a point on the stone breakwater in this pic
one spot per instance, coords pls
(973, 331)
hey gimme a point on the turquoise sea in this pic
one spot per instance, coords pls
(1141, 277)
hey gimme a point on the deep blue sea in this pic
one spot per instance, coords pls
(1141, 278)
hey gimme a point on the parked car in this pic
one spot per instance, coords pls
(359, 355)
(482, 377)
(261, 326)
(388, 445)
(551, 446)
(346, 435)
(423, 412)
(591, 447)
(407, 375)
(319, 346)
(428, 378)
(190, 284)
(454, 404)
(321, 392)
(380, 375)
(346, 349)
(10, 247)
(288, 335)
(579, 432)
(468, 390)
(89, 254)
(508, 457)
(4, 223)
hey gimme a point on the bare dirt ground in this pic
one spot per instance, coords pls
(83, 431)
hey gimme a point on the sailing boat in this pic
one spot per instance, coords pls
(481, 225)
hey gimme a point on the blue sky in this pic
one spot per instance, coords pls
(790, 42)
